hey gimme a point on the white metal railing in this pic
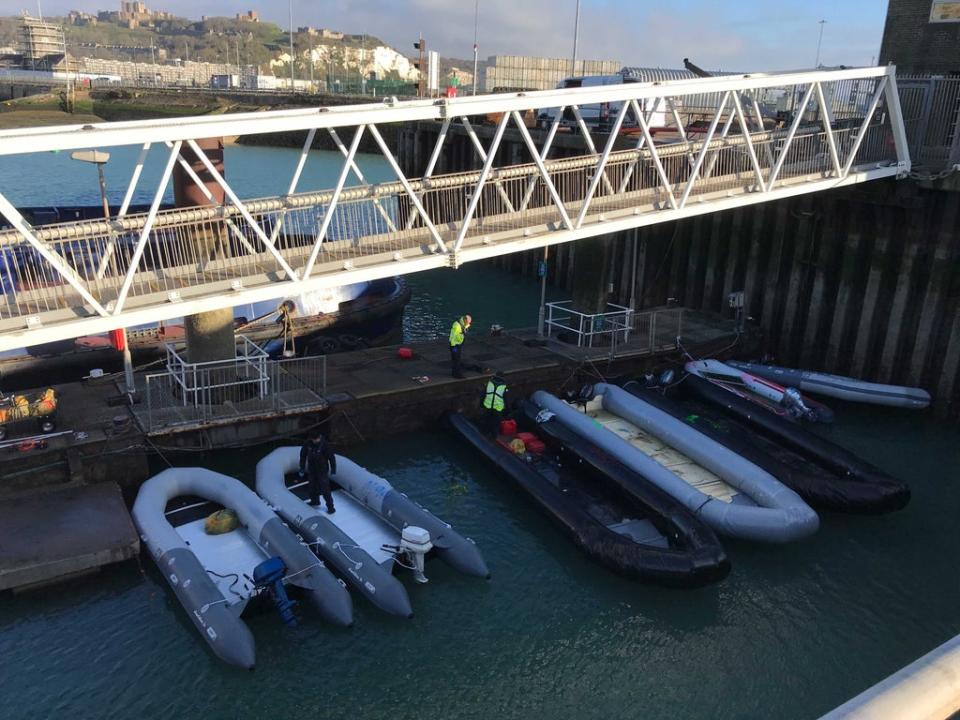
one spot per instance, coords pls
(931, 114)
(65, 280)
(201, 383)
(200, 393)
(613, 325)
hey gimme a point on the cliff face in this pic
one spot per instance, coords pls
(384, 61)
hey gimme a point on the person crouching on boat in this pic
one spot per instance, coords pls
(458, 333)
(318, 462)
(494, 405)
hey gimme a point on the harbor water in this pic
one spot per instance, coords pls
(792, 632)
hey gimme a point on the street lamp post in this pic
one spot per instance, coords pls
(576, 39)
(95, 157)
(816, 63)
(476, 38)
(291, 45)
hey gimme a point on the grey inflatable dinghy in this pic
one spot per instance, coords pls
(734, 496)
(215, 576)
(839, 386)
(351, 541)
(359, 492)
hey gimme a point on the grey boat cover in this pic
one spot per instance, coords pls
(218, 617)
(772, 513)
(331, 541)
(840, 386)
(399, 511)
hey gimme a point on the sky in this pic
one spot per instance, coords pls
(736, 35)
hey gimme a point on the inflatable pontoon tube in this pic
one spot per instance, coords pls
(840, 386)
(399, 511)
(778, 515)
(216, 617)
(355, 565)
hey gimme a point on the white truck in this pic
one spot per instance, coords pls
(601, 116)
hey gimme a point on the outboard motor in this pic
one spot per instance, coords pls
(268, 576)
(415, 544)
(793, 402)
(666, 378)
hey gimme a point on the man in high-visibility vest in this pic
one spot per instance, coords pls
(494, 404)
(458, 333)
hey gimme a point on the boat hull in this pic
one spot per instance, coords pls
(823, 488)
(840, 387)
(862, 487)
(765, 510)
(699, 560)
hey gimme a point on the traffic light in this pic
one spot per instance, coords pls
(416, 45)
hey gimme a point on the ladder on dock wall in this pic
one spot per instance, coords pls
(62, 281)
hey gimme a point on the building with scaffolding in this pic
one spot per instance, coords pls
(41, 44)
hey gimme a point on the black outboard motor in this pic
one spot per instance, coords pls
(268, 576)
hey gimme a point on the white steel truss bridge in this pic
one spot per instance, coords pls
(651, 165)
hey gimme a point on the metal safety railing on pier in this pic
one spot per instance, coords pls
(617, 330)
(250, 385)
(76, 278)
(931, 115)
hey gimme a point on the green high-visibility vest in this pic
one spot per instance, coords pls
(494, 397)
(457, 332)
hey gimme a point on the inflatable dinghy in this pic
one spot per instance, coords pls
(374, 514)
(215, 576)
(613, 515)
(734, 496)
(839, 386)
(783, 401)
(887, 493)
(357, 543)
(822, 485)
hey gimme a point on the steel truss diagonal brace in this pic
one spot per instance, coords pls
(751, 151)
(235, 231)
(867, 119)
(547, 144)
(279, 225)
(481, 181)
(331, 208)
(238, 203)
(147, 227)
(791, 134)
(363, 181)
(483, 158)
(828, 129)
(600, 171)
(14, 217)
(407, 188)
(648, 139)
(431, 165)
(588, 141)
(695, 170)
(542, 169)
(124, 206)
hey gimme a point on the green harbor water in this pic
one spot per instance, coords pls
(792, 632)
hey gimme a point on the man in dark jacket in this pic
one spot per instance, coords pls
(318, 461)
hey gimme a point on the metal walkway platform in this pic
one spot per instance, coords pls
(77, 278)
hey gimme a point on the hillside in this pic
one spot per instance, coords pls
(216, 39)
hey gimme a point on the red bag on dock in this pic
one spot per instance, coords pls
(404, 353)
(508, 428)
